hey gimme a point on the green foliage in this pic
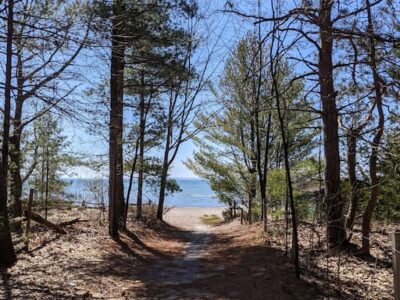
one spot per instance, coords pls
(52, 159)
(389, 199)
(227, 147)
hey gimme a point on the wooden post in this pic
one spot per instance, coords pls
(28, 219)
(395, 236)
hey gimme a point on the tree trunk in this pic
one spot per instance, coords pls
(142, 126)
(15, 173)
(253, 167)
(47, 182)
(128, 194)
(351, 169)
(262, 168)
(276, 92)
(7, 253)
(374, 192)
(15, 144)
(166, 160)
(336, 232)
(163, 185)
(116, 183)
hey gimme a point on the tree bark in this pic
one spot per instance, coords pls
(373, 159)
(351, 169)
(274, 68)
(116, 183)
(7, 253)
(128, 194)
(163, 186)
(142, 127)
(166, 158)
(15, 144)
(336, 232)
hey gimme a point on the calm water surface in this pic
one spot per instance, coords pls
(195, 192)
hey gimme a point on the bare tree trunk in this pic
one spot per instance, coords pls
(351, 169)
(15, 144)
(142, 126)
(336, 232)
(374, 192)
(47, 182)
(116, 183)
(166, 159)
(164, 171)
(274, 67)
(253, 167)
(262, 168)
(262, 164)
(7, 253)
(42, 174)
(163, 185)
(128, 194)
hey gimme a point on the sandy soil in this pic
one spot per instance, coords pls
(223, 262)
(188, 218)
(180, 259)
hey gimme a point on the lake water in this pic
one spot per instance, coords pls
(195, 193)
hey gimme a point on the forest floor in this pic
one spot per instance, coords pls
(186, 257)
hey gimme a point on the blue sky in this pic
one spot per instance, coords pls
(220, 30)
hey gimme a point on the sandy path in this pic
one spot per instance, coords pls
(188, 218)
(175, 278)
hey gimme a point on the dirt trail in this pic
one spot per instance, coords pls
(183, 260)
(175, 279)
(222, 262)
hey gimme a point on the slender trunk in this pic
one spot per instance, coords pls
(15, 144)
(164, 175)
(47, 182)
(253, 169)
(128, 194)
(373, 159)
(274, 69)
(163, 185)
(351, 169)
(166, 160)
(142, 126)
(295, 238)
(7, 253)
(336, 232)
(42, 179)
(116, 183)
(265, 171)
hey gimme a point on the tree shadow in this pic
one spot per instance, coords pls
(229, 270)
(124, 247)
(7, 288)
(139, 242)
(357, 252)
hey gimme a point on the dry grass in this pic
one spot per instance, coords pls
(211, 220)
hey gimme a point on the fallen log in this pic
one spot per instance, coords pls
(42, 221)
(67, 223)
(71, 222)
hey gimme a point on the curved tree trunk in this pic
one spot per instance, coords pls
(374, 192)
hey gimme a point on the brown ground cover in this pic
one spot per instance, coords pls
(186, 259)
